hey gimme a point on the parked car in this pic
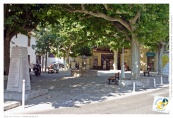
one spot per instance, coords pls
(53, 64)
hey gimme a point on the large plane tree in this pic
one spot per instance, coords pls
(128, 19)
(23, 18)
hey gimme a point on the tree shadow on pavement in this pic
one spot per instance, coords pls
(68, 91)
(73, 92)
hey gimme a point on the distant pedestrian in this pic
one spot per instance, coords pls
(77, 66)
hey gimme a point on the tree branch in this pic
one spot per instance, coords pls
(12, 34)
(106, 6)
(82, 6)
(121, 29)
(136, 17)
(81, 18)
(27, 17)
(101, 15)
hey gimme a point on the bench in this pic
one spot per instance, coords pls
(147, 72)
(114, 78)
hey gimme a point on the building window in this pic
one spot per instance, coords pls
(29, 41)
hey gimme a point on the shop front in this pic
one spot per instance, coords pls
(150, 60)
(103, 59)
(107, 61)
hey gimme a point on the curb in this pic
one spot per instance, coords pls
(11, 104)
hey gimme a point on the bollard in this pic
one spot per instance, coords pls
(154, 82)
(161, 80)
(133, 86)
(23, 94)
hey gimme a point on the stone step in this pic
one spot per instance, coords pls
(11, 104)
(14, 95)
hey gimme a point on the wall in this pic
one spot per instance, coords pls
(143, 58)
(22, 41)
(80, 60)
(99, 57)
(127, 57)
(53, 59)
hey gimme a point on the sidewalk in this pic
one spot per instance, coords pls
(66, 91)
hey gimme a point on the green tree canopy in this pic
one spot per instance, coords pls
(23, 18)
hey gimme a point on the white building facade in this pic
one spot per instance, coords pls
(29, 41)
(25, 41)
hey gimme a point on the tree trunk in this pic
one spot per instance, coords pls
(160, 53)
(67, 60)
(45, 63)
(115, 59)
(6, 54)
(135, 56)
(64, 61)
(42, 62)
(7, 39)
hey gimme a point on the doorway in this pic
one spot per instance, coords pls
(150, 63)
(106, 61)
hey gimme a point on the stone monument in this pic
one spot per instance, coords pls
(19, 71)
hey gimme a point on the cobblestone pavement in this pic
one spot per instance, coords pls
(67, 91)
